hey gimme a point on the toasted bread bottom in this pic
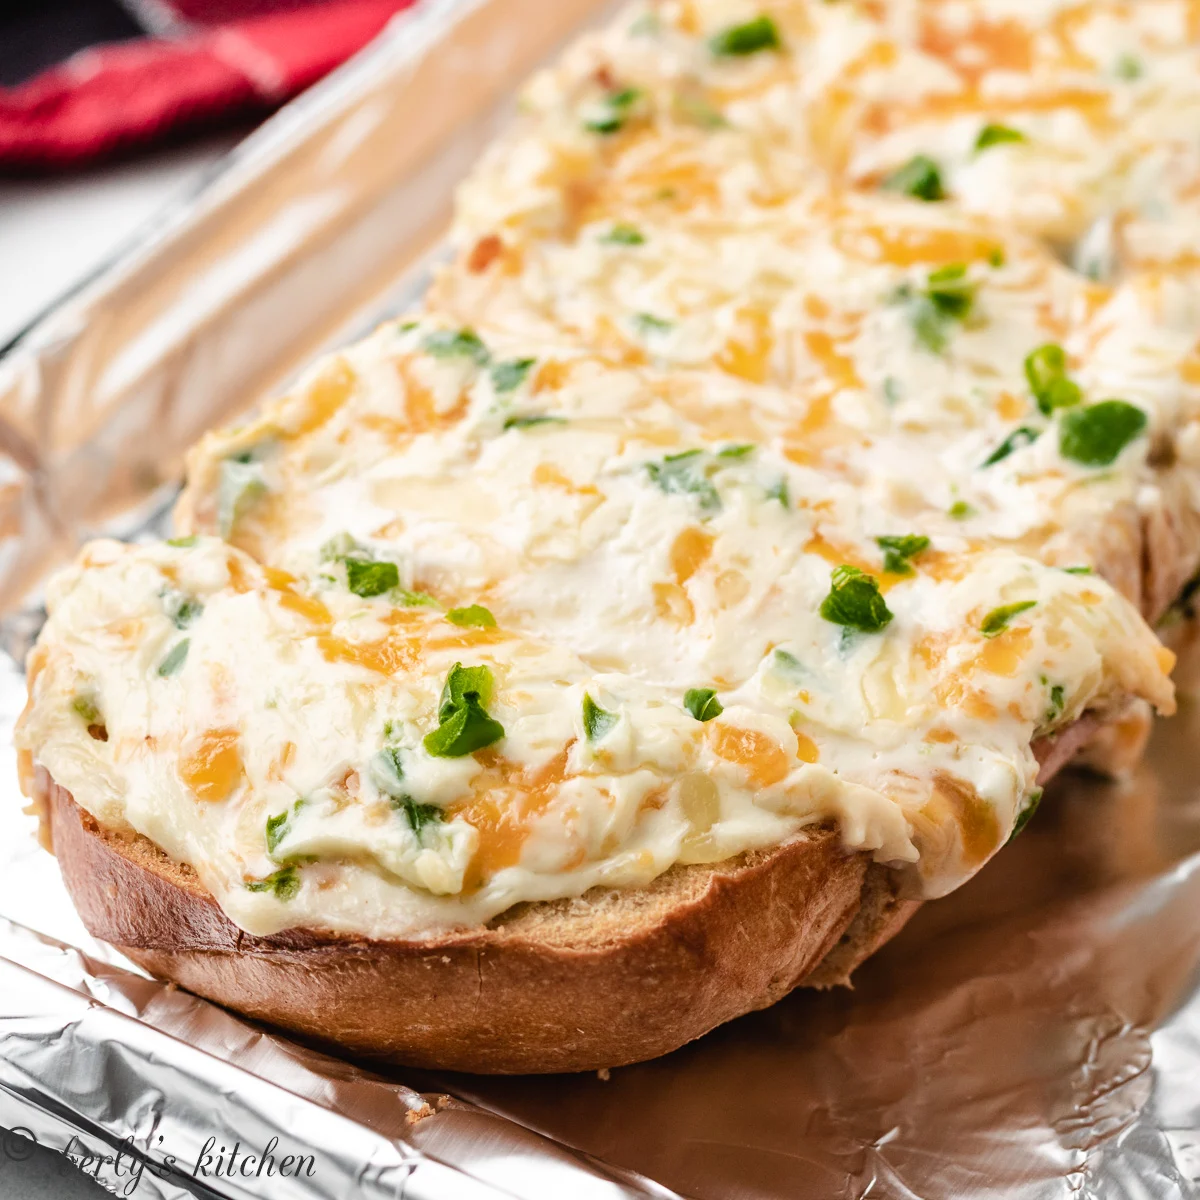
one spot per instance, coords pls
(572, 985)
(610, 978)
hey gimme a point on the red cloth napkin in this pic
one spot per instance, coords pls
(130, 94)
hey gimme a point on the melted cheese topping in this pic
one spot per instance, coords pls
(734, 497)
(1075, 120)
(835, 299)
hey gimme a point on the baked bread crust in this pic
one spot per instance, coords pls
(572, 985)
(610, 978)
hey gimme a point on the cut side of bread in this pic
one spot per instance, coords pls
(572, 985)
(609, 978)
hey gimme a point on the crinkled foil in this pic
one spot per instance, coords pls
(1035, 1035)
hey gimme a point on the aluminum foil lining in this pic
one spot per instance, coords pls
(1035, 1035)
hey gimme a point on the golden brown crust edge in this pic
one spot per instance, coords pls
(563, 986)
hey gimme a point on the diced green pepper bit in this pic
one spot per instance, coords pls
(464, 724)
(456, 343)
(997, 135)
(386, 770)
(898, 551)
(183, 610)
(950, 291)
(284, 883)
(471, 615)
(610, 114)
(277, 828)
(175, 658)
(1046, 372)
(920, 177)
(240, 483)
(417, 815)
(750, 37)
(509, 375)
(1094, 436)
(624, 235)
(367, 578)
(1026, 813)
(597, 721)
(998, 620)
(685, 474)
(855, 601)
(86, 709)
(1023, 435)
(529, 420)
(647, 324)
(702, 703)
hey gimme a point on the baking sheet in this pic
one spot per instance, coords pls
(1035, 1035)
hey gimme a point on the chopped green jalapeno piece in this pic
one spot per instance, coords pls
(997, 135)
(855, 601)
(610, 114)
(464, 724)
(240, 482)
(702, 703)
(684, 474)
(948, 296)
(86, 709)
(508, 376)
(739, 451)
(279, 826)
(182, 610)
(920, 178)
(366, 578)
(960, 510)
(950, 291)
(779, 491)
(175, 658)
(1046, 371)
(1079, 570)
(597, 721)
(417, 815)
(456, 343)
(624, 235)
(1094, 436)
(462, 682)
(183, 543)
(529, 420)
(1027, 810)
(416, 599)
(748, 38)
(929, 326)
(897, 551)
(648, 323)
(1128, 67)
(1023, 435)
(473, 614)
(1058, 699)
(997, 621)
(276, 827)
(386, 770)
(284, 884)
(788, 664)
(340, 546)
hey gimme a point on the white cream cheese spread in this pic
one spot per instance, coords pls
(708, 503)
